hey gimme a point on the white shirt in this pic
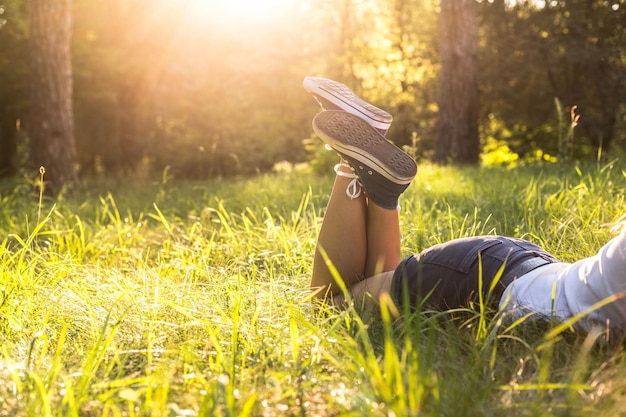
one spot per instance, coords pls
(561, 290)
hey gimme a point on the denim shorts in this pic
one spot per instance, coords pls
(449, 275)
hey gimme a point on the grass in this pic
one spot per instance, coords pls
(190, 299)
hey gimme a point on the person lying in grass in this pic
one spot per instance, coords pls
(359, 240)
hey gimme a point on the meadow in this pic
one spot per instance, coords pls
(179, 298)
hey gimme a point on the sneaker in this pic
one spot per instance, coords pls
(384, 170)
(332, 95)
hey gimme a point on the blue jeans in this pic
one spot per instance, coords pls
(448, 275)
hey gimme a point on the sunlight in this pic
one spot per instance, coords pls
(231, 11)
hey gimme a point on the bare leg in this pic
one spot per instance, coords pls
(383, 240)
(359, 237)
(343, 237)
(360, 241)
(383, 256)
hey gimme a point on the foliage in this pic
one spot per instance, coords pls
(321, 160)
(498, 153)
(210, 93)
(390, 58)
(534, 52)
(190, 298)
(207, 100)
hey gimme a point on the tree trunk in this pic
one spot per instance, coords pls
(457, 124)
(7, 150)
(51, 126)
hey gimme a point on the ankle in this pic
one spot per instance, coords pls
(353, 187)
(343, 169)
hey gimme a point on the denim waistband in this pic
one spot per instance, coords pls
(522, 268)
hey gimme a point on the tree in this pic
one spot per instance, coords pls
(583, 47)
(457, 125)
(13, 81)
(51, 124)
(534, 52)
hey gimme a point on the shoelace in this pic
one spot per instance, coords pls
(353, 190)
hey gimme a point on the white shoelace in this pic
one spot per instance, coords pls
(353, 190)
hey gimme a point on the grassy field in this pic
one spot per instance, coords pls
(190, 299)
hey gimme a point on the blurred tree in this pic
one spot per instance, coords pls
(583, 45)
(51, 124)
(457, 125)
(115, 58)
(412, 36)
(197, 89)
(532, 53)
(13, 81)
(208, 91)
(385, 51)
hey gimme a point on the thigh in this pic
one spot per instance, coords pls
(367, 292)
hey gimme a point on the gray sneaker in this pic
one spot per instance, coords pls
(384, 170)
(332, 95)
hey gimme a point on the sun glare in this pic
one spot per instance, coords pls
(226, 11)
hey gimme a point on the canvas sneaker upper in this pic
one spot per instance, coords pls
(384, 170)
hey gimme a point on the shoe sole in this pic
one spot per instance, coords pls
(342, 98)
(353, 137)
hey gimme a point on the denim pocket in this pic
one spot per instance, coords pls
(459, 254)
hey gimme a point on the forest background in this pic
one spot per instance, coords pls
(209, 88)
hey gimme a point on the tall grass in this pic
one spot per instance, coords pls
(191, 299)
